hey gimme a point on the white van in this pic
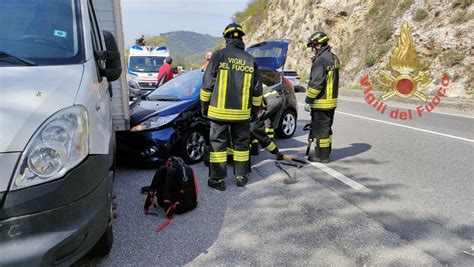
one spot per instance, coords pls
(57, 138)
(144, 63)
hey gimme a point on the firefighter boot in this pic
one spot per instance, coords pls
(317, 151)
(241, 180)
(216, 183)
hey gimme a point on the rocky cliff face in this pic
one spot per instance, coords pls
(364, 33)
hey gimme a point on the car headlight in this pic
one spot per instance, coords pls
(58, 145)
(154, 122)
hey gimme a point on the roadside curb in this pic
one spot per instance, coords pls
(453, 104)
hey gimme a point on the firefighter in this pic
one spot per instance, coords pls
(321, 97)
(272, 102)
(231, 97)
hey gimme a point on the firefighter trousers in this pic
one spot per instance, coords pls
(321, 125)
(258, 132)
(220, 134)
(269, 129)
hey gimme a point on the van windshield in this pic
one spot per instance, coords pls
(145, 63)
(46, 32)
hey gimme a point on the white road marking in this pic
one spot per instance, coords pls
(339, 176)
(405, 126)
(408, 127)
(350, 99)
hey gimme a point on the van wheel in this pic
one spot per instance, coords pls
(104, 245)
(191, 146)
(287, 125)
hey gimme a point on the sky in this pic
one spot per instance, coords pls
(152, 17)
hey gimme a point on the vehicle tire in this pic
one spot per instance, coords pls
(191, 146)
(287, 124)
(104, 245)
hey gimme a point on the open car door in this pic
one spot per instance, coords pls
(270, 54)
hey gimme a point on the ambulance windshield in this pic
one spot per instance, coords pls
(145, 63)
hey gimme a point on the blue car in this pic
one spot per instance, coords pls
(168, 121)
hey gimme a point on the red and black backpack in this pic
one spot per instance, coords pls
(173, 188)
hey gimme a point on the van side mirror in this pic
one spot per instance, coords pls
(113, 65)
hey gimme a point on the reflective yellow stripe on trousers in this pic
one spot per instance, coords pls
(324, 142)
(271, 147)
(218, 157)
(241, 156)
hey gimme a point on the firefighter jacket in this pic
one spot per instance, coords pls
(324, 80)
(231, 89)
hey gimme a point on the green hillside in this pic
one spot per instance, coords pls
(185, 44)
(188, 49)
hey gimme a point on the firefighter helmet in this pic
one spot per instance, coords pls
(233, 30)
(317, 38)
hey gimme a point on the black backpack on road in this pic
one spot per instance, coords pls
(173, 188)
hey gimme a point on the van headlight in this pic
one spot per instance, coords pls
(59, 145)
(154, 122)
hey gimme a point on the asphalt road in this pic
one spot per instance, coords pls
(396, 193)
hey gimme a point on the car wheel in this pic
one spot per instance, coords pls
(104, 245)
(192, 146)
(287, 125)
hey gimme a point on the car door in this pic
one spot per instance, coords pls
(270, 54)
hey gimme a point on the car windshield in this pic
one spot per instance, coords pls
(45, 32)
(184, 87)
(145, 64)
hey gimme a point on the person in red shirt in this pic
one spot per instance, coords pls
(166, 72)
(208, 58)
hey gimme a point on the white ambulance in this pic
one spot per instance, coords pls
(144, 62)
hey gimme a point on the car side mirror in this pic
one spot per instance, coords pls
(113, 66)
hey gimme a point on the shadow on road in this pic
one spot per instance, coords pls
(352, 150)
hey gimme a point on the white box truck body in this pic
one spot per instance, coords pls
(62, 96)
